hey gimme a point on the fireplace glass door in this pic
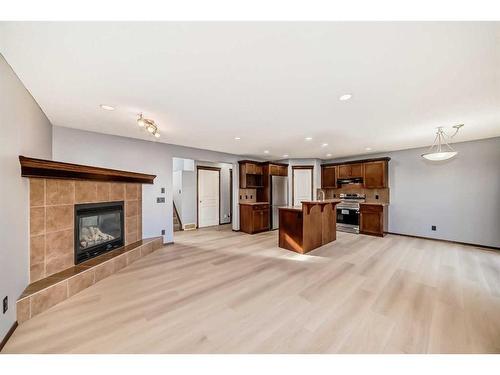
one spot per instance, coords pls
(98, 228)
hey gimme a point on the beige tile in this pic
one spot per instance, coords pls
(59, 251)
(85, 191)
(104, 270)
(130, 208)
(139, 227)
(37, 249)
(131, 224)
(133, 255)
(131, 191)
(23, 310)
(120, 262)
(37, 192)
(37, 220)
(80, 282)
(37, 271)
(59, 192)
(49, 297)
(103, 191)
(158, 243)
(59, 218)
(59, 263)
(117, 191)
(130, 238)
(147, 248)
(59, 243)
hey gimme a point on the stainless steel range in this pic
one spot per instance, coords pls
(348, 212)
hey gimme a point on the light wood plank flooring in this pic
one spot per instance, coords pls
(218, 291)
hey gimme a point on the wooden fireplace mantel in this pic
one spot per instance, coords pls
(39, 168)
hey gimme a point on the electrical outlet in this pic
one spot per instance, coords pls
(163, 231)
(5, 304)
(433, 227)
(163, 190)
(376, 196)
(160, 200)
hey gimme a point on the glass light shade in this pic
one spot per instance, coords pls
(439, 156)
(151, 129)
(141, 122)
(157, 135)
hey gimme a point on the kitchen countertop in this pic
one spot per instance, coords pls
(254, 203)
(375, 203)
(326, 201)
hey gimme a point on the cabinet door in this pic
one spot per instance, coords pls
(258, 169)
(356, 170)
(243, 176)
(265, 220)
(344, 171)
(250, 168)
(274, 170)
(371, 220)
(328, 177)
(375, 174)
(283, 170)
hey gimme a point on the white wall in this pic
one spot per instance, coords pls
(77, 146)
(461, 196)
(25, 130)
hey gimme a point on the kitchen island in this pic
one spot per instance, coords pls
(302, 229)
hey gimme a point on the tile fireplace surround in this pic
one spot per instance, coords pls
(55, 189)
(52, 206)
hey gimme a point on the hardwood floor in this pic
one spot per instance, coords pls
(218, 291)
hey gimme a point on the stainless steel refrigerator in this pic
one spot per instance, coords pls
(279, 197)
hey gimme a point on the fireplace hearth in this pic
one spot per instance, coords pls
(99, 227)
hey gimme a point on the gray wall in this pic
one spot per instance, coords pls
(460, 196)
(25, 130)
(78, 146)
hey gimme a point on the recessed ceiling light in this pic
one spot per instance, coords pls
(328, 155)
(237, 138)
(368, 148)
(308, 138)
(285, 156)
(266, 152)
(107, 107)
(324, 145)
(345, 97)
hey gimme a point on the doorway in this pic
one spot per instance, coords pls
(208, 196)
(302, 184)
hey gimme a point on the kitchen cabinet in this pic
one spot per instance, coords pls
(278, 170)
(373, 219)
(375, 174)
(350, 170)
(328, 176)
(250, 175)
(254, 217)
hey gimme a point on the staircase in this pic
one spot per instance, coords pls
(177, 220)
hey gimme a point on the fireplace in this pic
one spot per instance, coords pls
(98, 229)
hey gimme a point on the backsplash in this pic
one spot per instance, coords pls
(248, 195)
(371, 194)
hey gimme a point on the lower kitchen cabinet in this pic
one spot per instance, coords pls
(254, 217)
(373, 219)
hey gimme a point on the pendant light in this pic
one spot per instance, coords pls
(440, 149)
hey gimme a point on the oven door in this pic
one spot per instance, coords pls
(348, 219)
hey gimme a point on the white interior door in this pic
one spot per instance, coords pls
(208, 198)
(302, 185)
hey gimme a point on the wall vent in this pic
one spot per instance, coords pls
(189, 226)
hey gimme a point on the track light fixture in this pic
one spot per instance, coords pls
(149, 124)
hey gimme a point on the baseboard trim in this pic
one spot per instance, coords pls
(235, 230)
(449, 241)
(7, 336)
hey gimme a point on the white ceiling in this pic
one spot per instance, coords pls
(272, 84)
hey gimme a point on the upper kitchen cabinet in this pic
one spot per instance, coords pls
(350, 170)
(250, 175)
(278, 169)
(375, 176)
(328, 176)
